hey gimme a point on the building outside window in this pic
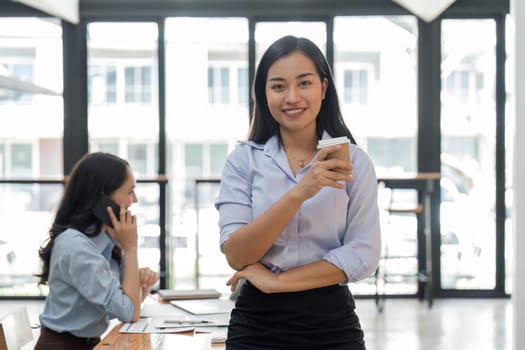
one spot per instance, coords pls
(356, 86)
(102, 84)
(138, 84)
(31, 128)
(218, 85)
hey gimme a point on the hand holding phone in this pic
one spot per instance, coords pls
(126, 232)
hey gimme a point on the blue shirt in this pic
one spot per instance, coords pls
(340, 226)
(84, 291)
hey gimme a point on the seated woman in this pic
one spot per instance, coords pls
(90, 264)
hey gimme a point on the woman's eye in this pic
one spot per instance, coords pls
(305, 83)
(277, 87)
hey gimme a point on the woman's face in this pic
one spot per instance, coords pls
(125, 194)
(294, 92)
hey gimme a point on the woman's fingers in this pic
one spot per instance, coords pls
(325, 151)
(333, 163)
(148, 278)
(233, 281)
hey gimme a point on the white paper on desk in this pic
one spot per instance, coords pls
(195, 342)
(161, 310)
(145, 325)
(204, 306)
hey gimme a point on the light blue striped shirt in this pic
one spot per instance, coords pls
(84, 290)
(340, 226)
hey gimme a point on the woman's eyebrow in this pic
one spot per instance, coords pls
(303, 75)
(300, 76)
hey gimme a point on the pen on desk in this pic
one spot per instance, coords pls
(187, 321)
(145, 326)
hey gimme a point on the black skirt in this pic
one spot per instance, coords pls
(322, 318)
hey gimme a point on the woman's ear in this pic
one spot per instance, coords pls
(325, 87)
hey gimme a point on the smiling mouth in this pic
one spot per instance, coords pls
(293, 112)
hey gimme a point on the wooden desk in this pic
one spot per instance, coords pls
(115, 340)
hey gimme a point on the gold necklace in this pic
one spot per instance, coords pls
(301, 161)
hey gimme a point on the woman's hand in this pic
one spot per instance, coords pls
(321, 173)
(258, 275)
(148, 279)
(124, 231)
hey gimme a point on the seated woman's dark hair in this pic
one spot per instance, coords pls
(93, 174)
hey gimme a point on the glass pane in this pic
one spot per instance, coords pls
(369, 71)
(123, 104)
(218, 153)
(21, 159)
(213, 268)
(31, 95)
(138, 156)
(148, 215)
(468, 126)
(205, 107)
(267, 32)
(510, 118)
(2, 160)
(376, 77)
(30, 207)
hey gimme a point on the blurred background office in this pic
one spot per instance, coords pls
(427, 87)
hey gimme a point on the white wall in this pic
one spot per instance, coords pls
(518, 14)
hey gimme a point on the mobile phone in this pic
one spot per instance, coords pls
(100, 211)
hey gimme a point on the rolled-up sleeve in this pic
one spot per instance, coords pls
(234, 201)
(359, 255)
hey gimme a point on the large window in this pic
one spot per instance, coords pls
(369, 71)
(377, 82)
(191, 106)
(207, 112)
(123, 114)
(123, 103)
(468, 127)
(31, 128)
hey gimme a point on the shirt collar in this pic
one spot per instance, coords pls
(273, 147)
(102, 241)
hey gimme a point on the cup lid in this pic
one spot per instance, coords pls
(333, 141)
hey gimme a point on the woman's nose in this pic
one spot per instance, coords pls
(292, 95)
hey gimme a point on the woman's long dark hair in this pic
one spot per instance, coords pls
(93, 174)
(263, 125)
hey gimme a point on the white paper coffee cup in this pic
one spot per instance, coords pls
(342, 154)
